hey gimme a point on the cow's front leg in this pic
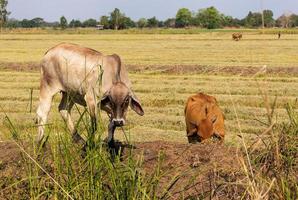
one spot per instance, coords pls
(45, 101)
(111, 130)
(92, 109)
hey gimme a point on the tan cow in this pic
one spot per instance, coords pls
(236, 36)
(75, 71)
(203, 118)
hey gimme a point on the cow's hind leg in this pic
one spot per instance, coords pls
(65, 107)
(45, 101)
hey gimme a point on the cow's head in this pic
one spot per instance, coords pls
(203, 128)
(202, 131)
(116, 100)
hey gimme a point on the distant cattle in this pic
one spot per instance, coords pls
(236, 36)
(204, 119)
(75, 72)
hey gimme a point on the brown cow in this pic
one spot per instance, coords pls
(203, 118)
(75, 72)
(236, 36)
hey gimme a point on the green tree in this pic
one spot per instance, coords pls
(152, 22)
(183, 17)
(170, 23)
(268, 18)
(38, 22)
(161, 23)
(72, 23)
(253, 19)
(63, 22)
(228, 21)
(127, 23)
(294, 20)
(104, 20)
(13, 23)
(142, 23)
(25, 23)
(75, 23)
(3, 12)
(116, 19)
(90, 23)
(209, 18)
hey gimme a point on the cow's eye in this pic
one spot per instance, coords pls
(126, 101)
(112, 103)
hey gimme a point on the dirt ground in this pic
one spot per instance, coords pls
(207, 170)
(178, 69)
(12, 170)
(228, 70)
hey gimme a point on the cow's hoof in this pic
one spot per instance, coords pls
(110, 143)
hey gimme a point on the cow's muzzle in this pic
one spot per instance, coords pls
(118, 122)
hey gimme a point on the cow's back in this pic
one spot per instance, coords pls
(71, 67)
(75, 68)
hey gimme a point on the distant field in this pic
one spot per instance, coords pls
(205, 48)
(190, 30)
(163, 95)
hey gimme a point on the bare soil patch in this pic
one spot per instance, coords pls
(15, 66)
(178, 69)
(228, 70)
(190, 170)
(12, 170)
(205, 170)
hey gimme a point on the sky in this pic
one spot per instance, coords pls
(52, 10)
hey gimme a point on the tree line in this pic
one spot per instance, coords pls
(209, 18)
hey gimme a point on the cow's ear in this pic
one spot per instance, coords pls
(136, 106)
(105, 102)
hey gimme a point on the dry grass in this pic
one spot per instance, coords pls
(190, 30)
(163, 97)
(205, 49)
